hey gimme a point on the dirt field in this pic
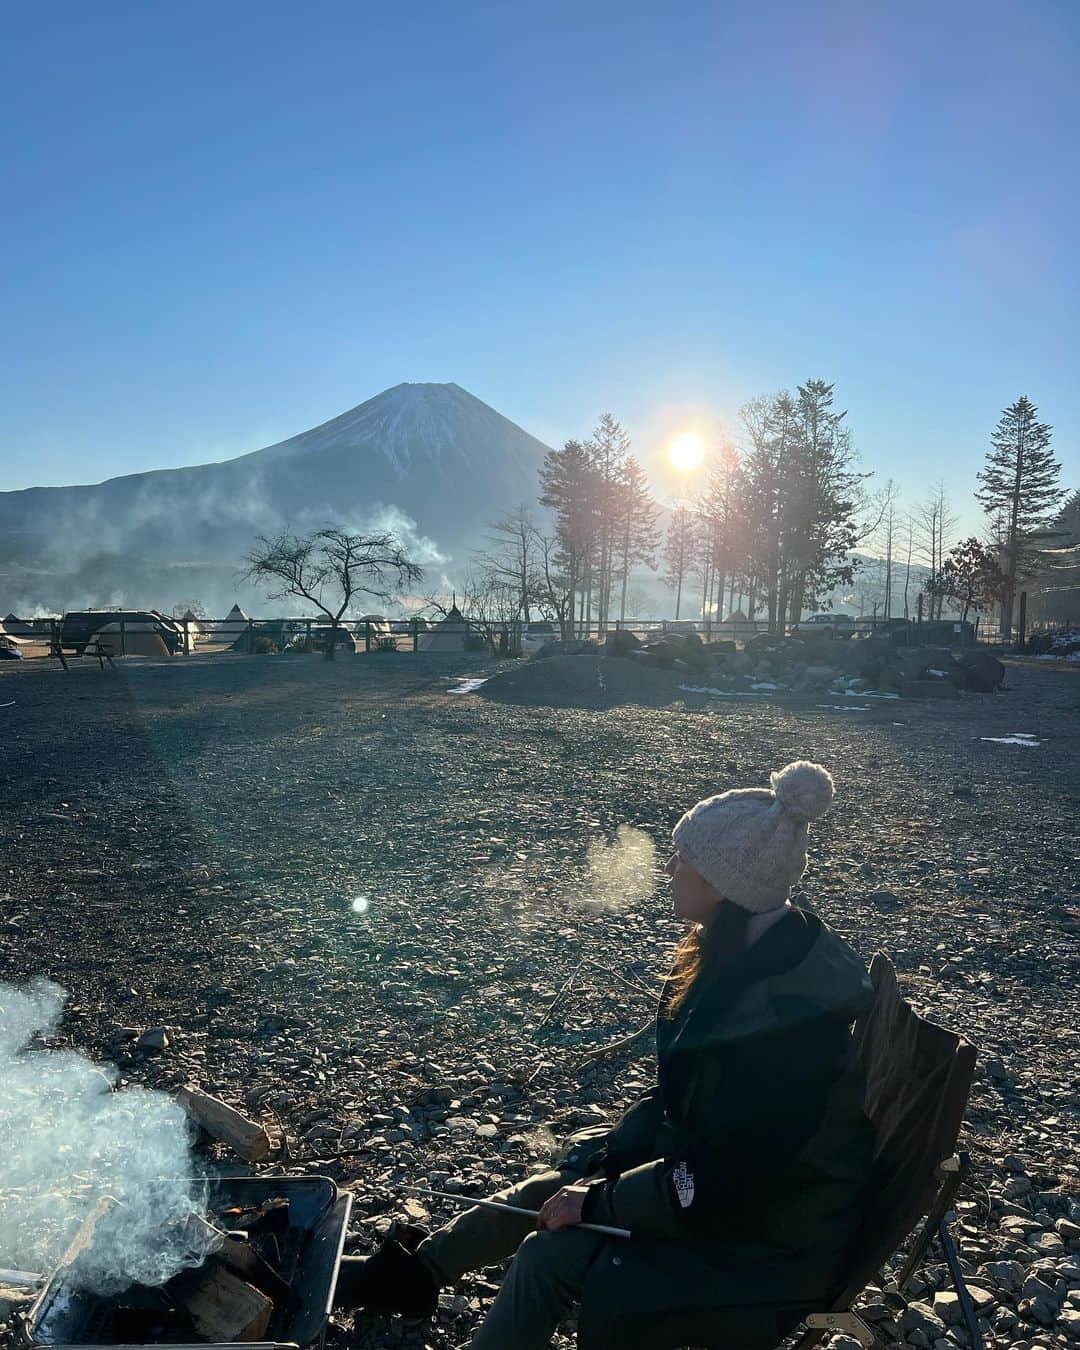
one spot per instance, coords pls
(183, 843)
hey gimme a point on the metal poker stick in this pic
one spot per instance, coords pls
(604, 1228)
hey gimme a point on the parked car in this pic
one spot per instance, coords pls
(79, 626)
(832, 625)
(537, 634)
(320, 639)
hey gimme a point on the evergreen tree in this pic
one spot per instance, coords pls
(1020, 481)
(609, 448)
(568, 487)
(680, 552)
(635, 531)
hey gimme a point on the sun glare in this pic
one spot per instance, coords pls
(686, 452)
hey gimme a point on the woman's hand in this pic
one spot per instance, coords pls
(563, 1210)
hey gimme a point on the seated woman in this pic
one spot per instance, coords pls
(741, 1174)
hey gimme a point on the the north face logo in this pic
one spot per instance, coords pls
(684, 1185)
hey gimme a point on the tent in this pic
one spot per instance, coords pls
(140, 639)
(449, 635)
(233, 624)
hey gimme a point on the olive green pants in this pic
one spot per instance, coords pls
(547, 1274)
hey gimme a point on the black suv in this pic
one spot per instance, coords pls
(80, 625)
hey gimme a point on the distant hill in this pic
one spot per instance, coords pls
(428, 460)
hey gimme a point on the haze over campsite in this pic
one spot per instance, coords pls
(539, 670)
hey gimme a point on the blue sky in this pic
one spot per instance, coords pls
(227, 223)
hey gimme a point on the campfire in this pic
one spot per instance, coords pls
(271, 1251)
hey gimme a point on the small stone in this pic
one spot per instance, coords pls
(920, 1318)
(154, 1040)
(948, 1307)
(1007, 1275)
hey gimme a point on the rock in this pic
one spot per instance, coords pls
(844, 1343)
(1069, 1323)
(154, 1040)
(884, 900)
(1047, 1244)
(921, 1319)
(1067, 1230)
(983, 673)
(1040, 1309)
(948, 1308)
(621, 642)
(1007, 1275)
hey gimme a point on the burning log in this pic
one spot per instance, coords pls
(222, 1122)
(221, 1305)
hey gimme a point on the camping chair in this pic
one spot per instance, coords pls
(918, 1077)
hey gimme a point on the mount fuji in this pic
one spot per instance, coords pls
(429, 461)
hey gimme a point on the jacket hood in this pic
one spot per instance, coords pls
(829, 980)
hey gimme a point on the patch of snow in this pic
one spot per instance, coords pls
(468, 686)
(844, 707)
(1017, 738)
(765, 684)
(941, 674)
(716, 693)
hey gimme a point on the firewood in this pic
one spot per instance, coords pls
(224, 1123)
(221, 1305)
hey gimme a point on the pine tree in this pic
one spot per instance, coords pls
(680, 552)
(609, 448)
(1020, 480)
(568, 487)
(635, 532)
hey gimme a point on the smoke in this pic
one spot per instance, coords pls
(620, 873)
(67, 1139)
(97, 562)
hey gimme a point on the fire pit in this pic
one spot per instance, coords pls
(269, 1282)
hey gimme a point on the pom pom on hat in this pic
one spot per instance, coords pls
(805, 790)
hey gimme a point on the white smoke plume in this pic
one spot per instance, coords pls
(620, 873)
(67, 1139)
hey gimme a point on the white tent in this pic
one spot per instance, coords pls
(447, 636)
(234, 623)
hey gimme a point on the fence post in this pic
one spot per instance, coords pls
(416, 636)
(918, 617)
(367, 635)
(307, 636)
(123, 638)
(187, 638)
(1022, 627)
(251, 637)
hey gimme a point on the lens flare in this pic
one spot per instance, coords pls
(686, 451)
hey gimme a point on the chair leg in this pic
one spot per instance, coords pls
(971, 1319)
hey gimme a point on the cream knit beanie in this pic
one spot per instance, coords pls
(750, 843)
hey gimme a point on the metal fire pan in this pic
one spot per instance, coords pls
(63, 1317)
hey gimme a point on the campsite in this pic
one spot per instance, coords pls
(241, 869)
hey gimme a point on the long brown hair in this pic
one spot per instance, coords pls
(718, 945)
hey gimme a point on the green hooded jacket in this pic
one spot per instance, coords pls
(743, 1174)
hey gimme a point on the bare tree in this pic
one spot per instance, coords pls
(680, 552)
(511, 559)
(934, 526)
(329, 569)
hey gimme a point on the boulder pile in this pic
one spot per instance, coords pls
(627, 669)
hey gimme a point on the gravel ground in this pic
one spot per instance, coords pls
(183, 844)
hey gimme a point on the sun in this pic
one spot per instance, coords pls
(686, 451)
